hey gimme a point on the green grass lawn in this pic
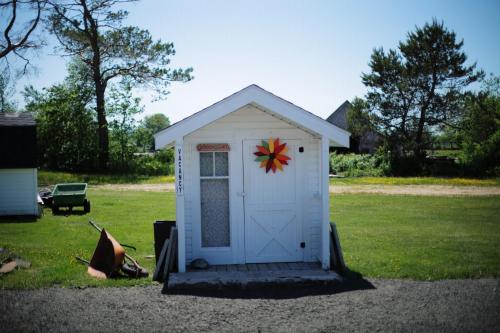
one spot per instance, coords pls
(382, 236)
(53, 177)
(419, 237)
(52, 242)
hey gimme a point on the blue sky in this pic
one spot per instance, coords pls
(311, 53)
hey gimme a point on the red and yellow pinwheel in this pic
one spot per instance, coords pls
(271, 155)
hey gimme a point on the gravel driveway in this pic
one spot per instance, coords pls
(385, 305)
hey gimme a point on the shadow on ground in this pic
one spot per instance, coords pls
(18, 219)
(67, 212)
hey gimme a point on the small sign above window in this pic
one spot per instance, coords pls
(213, 147)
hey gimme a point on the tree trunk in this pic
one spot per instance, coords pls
(103, 128)
(92, 33)
(419, 148)
(420, 132)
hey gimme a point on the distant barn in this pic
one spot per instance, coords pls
(18, 165)
(366, 144)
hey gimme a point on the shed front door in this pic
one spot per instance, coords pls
(273, 220)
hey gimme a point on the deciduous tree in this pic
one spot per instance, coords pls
(66, 125)
(93, 31)
(480, 130)
(148, 127)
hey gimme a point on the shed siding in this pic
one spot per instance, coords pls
(18, 192)
(250, 122)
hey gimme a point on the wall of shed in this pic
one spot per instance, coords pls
(250, 122)
(18, 192)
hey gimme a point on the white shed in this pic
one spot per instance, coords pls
(252, 181)
(18, 165)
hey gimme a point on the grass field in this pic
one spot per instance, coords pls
(382, 236)
(419, 237)
(52, 242)
(54, 177)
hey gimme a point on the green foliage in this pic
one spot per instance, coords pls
(148, 127)
(93, 31)
(153, 164)
(416, 88)
(356, 165)
(122, 108)
(6, 92)
(66, 126)
(358, 118)
(481, 131)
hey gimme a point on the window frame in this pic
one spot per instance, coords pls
(213, 177)
(213, 165)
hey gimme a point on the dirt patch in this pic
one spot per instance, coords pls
(426, 190)
(390, 305)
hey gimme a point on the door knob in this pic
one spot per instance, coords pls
(241, 194)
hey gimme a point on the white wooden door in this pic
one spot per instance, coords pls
(273, 221)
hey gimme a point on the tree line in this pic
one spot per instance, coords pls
(87, 122)
(423, 91)
(419, 93)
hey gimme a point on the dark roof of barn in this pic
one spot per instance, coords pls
(16, 119)
(339, 116)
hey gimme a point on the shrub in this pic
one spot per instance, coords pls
(152, 165)
(356, 165)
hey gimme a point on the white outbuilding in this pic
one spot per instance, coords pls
(252, 181)
(18, 165)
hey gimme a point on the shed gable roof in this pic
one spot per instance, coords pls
(16, 119)
(339, 116)
(267, 101)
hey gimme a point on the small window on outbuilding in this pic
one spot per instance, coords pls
(214, 192)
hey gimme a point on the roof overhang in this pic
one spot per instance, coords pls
(265, 101)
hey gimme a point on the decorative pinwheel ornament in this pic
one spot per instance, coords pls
(271, 155)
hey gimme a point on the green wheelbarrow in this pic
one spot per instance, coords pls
(70, 195)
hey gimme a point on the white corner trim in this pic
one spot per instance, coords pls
(325, 204)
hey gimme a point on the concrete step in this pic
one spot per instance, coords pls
(214, 280)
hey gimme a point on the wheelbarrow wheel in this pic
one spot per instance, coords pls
(55, 209)
(86, 206)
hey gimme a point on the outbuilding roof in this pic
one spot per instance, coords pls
(339, 116)
(265, 101)
(16, 119)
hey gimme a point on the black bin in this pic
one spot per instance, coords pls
(161, 233)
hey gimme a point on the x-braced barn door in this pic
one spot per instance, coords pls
(273, 225)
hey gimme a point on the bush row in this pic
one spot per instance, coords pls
(357, 165)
